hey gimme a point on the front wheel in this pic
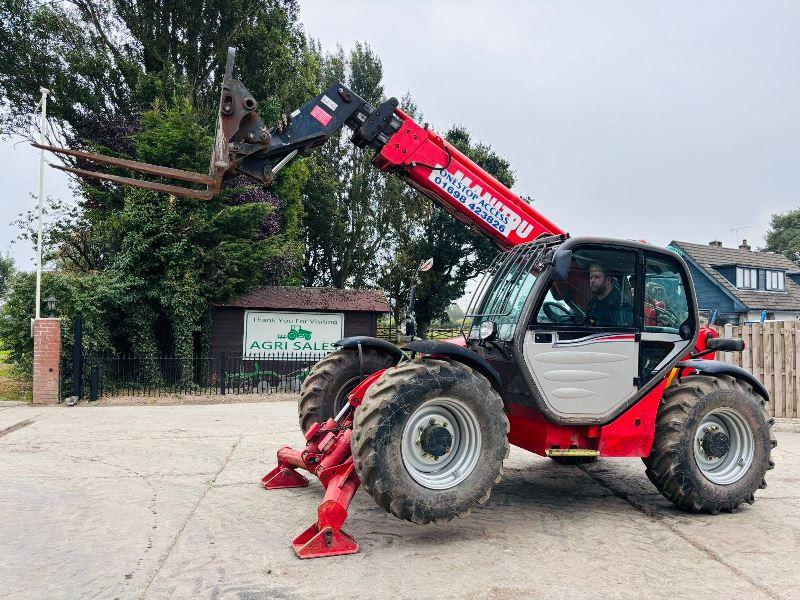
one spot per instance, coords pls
(712, 445)
(429, 440)
(329, 382)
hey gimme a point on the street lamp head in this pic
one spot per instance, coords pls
(51, 305)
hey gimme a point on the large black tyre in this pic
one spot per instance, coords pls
(325, 389)
(390, 413)
(673, 465)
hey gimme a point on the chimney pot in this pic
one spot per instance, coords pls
(744, 246)
(715, 243)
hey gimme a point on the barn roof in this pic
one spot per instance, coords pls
(312, 298)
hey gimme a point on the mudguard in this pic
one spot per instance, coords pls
(370, 342)
(459, 354)
(717, 367)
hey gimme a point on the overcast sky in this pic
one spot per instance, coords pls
(643, 120)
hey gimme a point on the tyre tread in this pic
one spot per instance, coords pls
(663, 464)
(371, 413)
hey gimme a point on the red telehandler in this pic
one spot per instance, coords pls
(574, 348)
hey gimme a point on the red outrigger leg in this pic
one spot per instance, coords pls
(326, 455)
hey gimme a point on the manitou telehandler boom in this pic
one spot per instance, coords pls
(574, 348)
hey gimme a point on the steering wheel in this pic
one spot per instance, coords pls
(668, 317)
(556, 312)
(665, 317)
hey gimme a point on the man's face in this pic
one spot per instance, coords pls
(597, 281)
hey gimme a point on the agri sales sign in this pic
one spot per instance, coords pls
(291, 332)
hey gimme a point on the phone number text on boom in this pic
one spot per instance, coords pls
(476, 204)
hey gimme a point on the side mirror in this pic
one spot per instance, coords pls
(425, 265)
(487, 331)
(562, 261)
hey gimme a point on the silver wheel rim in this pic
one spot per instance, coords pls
(458, 463)
(733, 465)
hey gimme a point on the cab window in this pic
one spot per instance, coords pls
(666, 307)
(599, 291)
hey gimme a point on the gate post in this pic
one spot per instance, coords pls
(46, 360)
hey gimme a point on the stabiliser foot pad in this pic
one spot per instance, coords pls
(283, 477)
(316, 543)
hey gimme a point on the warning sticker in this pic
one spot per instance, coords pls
(320, 115)
(328, 102)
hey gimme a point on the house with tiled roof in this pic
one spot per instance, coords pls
(742, 284)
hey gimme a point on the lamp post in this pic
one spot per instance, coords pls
(42, 128)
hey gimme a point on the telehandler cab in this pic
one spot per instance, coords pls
(573, 348)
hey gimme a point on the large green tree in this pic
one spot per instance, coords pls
(784, 234)
(141, 79)
(107, 61)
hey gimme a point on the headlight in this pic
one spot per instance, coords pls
(487, 330)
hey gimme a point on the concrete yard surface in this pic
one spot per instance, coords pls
(165, 502)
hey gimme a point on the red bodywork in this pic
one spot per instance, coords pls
(326, 455)
(463, 188)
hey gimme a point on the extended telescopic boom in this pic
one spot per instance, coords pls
(421, 157)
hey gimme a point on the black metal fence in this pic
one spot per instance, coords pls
(91, 376)
(223, 373)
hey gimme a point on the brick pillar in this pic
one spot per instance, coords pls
(46, 360)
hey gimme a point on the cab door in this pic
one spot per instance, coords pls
(582, 344)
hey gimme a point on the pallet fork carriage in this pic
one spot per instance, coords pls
(575, 348)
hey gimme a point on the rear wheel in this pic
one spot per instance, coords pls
(712, 445)
(429, 440)
(327, 386)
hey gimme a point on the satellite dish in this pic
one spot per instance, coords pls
(425, 265)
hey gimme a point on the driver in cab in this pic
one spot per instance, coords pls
(607, 307)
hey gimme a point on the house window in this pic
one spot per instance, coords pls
(746, 278)
(775, 281)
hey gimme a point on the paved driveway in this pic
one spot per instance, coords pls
(163, 501)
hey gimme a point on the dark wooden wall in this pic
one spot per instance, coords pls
(227, 329)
